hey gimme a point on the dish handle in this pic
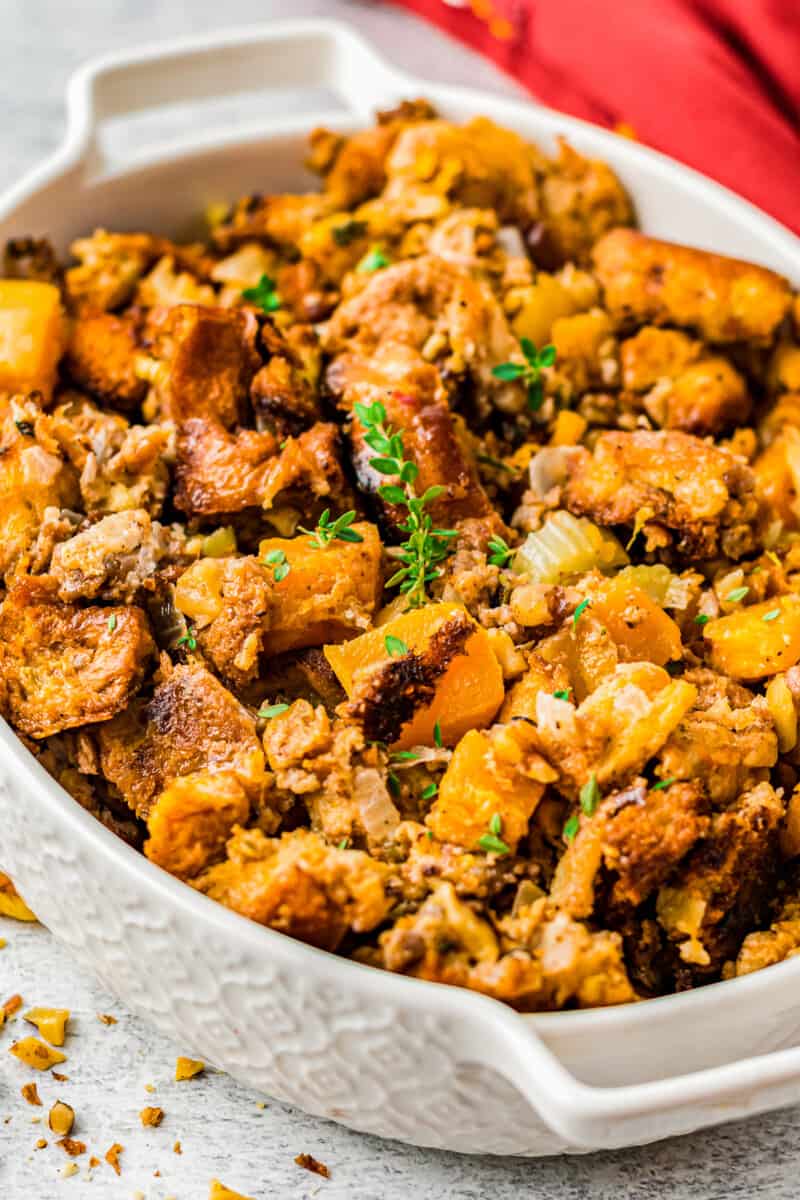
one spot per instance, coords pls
(314, 56)
(592, 1117)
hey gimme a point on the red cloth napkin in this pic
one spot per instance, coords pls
(714, 83)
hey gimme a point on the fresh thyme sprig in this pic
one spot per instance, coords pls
(263, 294)
(276, 559)
(425, 547)
(327, 530)
(188, 640)
(530, 372)
(373, 260)
(500, 552)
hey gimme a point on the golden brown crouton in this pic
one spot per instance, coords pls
(722, 299)
(654, 354)
(100, 358)
(34, 476)
(277, 219)
(647, 833)
(227, 601)
(580, 199)
(191, 723)
(431, 306)
(192, 820)
(121, 466)
(65, 666)
(477, 164)
(111, 264)
(116, 557)
(206, 362)
(685, 387)
(766, 947)
(701, 494)
(221, 472)
(726, 742)
(300, 886)
(308, 467)
(723, 889)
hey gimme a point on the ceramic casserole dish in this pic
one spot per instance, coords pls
(424, 1063)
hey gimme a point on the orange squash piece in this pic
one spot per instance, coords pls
(635, 621)
(468, 694)
(757, 641)
(31, 335)
(489, 785)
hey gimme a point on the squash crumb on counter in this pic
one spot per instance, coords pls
(413, 567)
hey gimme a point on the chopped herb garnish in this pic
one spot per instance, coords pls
(437, 735)
(496, 824)
(272, 710)
(429, 834)
(25, 428)
(771, 615)
(263, 295)
(571, 827)
(394, 783)
(277, 560)
(327, 530)
(701, 619)
(663, 783)
(189, 640)
(561, 694)
(425, 546)
(501, 553)
(529, 371)
(395, 645)
(375, 260)
(590, 795)
(343, 844)
(429, 792)
(580, 610)
(112, 622)
(737, 594)
(344, 234)
(405, 755)
(493, 844)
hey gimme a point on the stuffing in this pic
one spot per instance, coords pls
(300, 886)
(101, 359)
(646, 281)
(35, 476)
(117, 556)
(64, 666)
(190, 723)
(412, 565)
(692, 493)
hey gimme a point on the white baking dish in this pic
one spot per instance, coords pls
(427, 1064)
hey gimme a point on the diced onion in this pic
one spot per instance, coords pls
(378, 814)
(566, 546)
(548, 468)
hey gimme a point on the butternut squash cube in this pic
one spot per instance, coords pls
(488, 787)
(636, 622)
(31, 336)
(758, 641)
(468, 692)
(327, 593)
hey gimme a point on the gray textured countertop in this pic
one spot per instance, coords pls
(222, 1130)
